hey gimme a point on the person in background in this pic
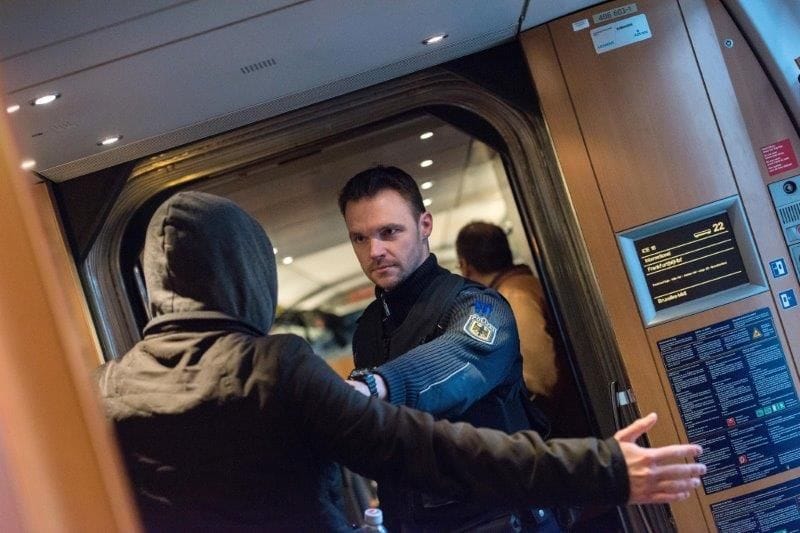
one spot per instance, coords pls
(223, 426)
(434, 341)
(484, 256)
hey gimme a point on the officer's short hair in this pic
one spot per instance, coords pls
(368, 183)
(484, 247)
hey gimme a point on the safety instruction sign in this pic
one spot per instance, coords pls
(772, 509)
(736, 398)
(779, 157)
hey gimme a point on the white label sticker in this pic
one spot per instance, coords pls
(621, 33)
(615, 13)
(580, 25)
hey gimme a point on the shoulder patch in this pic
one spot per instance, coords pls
(479, 328)
(482, 308)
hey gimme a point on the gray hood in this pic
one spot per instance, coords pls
(206, 259)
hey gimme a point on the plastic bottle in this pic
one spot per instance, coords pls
(373, 521)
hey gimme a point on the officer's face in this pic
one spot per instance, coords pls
(389, 241)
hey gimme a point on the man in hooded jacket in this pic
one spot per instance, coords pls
(223, 426)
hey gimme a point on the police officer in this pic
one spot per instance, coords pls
(431, 340)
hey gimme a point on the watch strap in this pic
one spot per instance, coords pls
(366, 377)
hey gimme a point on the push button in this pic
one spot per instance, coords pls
(794, 252)
(792, 234)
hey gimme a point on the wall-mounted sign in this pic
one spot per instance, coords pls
(736, 398)
(787, 299)
(778, 268)
(579, 25)
(779, 157)
(615, 13)
(620, 33)
(775, 508)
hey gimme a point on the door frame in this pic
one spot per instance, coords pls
(533, 172)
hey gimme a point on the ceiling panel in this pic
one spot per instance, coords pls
(152, 74)
(115, 35)
(32, 24)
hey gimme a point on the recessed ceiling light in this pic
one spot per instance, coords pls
(12, 108)
(427, 201)
(28, 164)
(109, 140)
(274, 250)
(426, 185)
(426, 163)
(288, 260)
(46, 99)
(426, 135)
(433, 39)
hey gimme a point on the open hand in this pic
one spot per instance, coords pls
(658, 475)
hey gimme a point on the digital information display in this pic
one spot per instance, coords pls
(771, 509)
(736, 398)
(691, 261)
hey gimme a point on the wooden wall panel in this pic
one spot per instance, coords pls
(58, 254)
(10, 516)
(598, 233)
(644, 113)
(750, 116)
(59, 456)
(765, 119)
(661, 126)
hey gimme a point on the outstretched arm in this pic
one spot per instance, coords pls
(658, 475)
(380, 440)
(655, 475)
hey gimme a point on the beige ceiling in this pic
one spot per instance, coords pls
(163, 73)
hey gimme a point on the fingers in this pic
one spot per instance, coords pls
(675, 485)
(659, 475)
(636, 429)
(679, 471)
(676, 452)
(665, 498)
(669, 491)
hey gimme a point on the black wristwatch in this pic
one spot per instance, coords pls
(365, 376)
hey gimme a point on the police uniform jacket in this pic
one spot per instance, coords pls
(445, 353)
(450, 347)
